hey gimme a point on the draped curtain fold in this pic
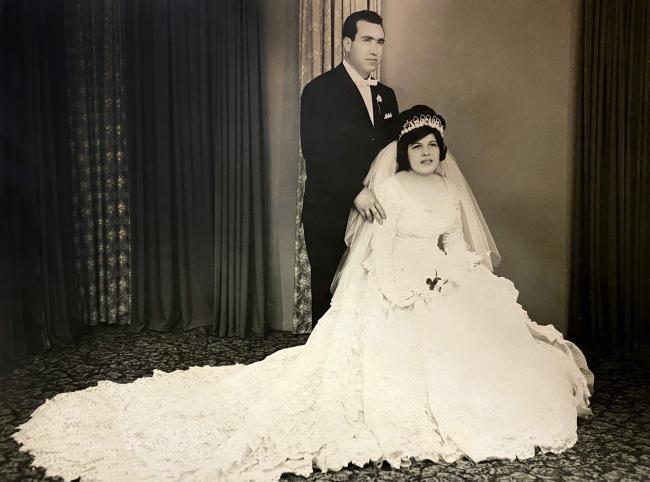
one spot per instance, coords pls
(610, 306)
(37, 283)
(197, 174)
(94, 43)
(320, 50)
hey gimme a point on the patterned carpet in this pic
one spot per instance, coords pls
(614, 445)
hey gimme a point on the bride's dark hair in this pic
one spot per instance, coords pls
(414, 135)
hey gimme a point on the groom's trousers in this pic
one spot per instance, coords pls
(325, 247)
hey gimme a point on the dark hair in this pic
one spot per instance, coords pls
(411, 137)
(350, 24)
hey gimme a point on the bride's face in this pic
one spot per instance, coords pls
(424, 155)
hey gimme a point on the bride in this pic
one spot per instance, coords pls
(424, 354)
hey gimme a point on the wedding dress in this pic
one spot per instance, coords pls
(460, 372)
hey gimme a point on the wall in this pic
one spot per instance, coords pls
(502, 72)
(279, 43)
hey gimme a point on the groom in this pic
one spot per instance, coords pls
(346, 118)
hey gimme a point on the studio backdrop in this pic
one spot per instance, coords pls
(133, 179)
(610, 307)
(196, 167)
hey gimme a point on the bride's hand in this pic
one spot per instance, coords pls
(369, 207)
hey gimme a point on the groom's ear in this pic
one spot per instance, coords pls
(347, 44)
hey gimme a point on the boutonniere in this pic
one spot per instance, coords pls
(379, 101)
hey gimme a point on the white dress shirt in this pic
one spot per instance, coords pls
(364, 88)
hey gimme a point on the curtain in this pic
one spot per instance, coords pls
(320, 50)
(94, 41)
(610, 264)
(196, 169)
(37, 283)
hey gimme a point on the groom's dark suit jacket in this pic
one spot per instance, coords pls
(339, 143)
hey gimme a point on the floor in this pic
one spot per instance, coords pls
(613, 445)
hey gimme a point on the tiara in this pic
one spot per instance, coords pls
(421, 121)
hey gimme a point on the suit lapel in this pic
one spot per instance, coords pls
(352, 94)
(376, 106)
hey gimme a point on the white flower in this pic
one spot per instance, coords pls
(379, 99)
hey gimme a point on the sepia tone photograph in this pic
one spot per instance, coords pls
(335, 240)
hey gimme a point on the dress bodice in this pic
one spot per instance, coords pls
(417, 241)
(415, 218)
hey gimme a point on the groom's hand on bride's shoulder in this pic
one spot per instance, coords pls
(369, 207)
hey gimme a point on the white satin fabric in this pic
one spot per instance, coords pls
(461, 372)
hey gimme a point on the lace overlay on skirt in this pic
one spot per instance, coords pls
(463, 372)
(362, 389)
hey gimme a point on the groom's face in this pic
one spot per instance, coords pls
(364, 52)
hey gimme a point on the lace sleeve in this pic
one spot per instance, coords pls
(453, 241)
(382, 249)
(454, 244)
